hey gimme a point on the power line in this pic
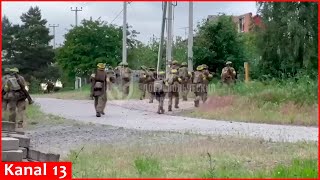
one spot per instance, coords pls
(118, 14)
(54, 34)
(76, 13)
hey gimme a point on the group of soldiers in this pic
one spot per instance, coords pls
(157, 85)
(103, 78)
(180, 80)
(14, 95)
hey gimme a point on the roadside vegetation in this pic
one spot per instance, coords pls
(216, 157)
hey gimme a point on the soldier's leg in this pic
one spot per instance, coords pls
(161, 103)
(5, 109)
(104, 103)
(21, 109)
(184, 91)
(96, 102)
(176, 100)
(205, 94)
(197, 98)
(170, 101)
(12, 106)
(151, 93)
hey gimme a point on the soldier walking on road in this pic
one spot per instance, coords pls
(125, 75)
(198, 82)
(151, 76)
(142, 81)
(98, 89)
(206, 79)
(173, 82)
(160, 90)
(185, 76)
(228, 74)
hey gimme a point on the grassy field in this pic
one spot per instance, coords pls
(204, 158)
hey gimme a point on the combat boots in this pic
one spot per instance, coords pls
(98, 114)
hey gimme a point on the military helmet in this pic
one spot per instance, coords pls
(200, 68)
(205, 66)
(125, 64)
(120, 64)
(175, 62)
(143, 67)
(228, 62)
(184, 64)
(101, 66)
(174, 71)
(161, 73)
(151, 68)
(14, 70)
(7, 70)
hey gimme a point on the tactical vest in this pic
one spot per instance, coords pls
(198, 77)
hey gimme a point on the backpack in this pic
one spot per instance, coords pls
(12, 84)
(158, 86)
(197, 77)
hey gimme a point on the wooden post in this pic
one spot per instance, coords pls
(246, 70)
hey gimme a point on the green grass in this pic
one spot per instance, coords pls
(35, 117)
(231, 157)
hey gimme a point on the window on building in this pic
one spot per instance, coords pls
(241, 24)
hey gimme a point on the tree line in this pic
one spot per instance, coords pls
(284, 47)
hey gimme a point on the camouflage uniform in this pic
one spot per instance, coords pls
(160, 91)
(117, 73)
(98, 89)
(174, 65)
(228, 74)
(185, 76)
(173, 82)
(125, 74)
(6, 75)
(142, 82)
(206, 79)
(111, 77)
(151, 76)
(15, 97)
(198, 82)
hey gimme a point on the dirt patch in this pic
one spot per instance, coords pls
(218, 102)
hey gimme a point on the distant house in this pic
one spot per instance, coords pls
(244, 22)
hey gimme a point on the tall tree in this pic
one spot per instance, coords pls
(217, 42)
(33, 55)
(288, 43)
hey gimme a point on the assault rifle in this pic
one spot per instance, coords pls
(25, 92)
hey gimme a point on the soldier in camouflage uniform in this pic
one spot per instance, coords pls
(111, 77)
(228, 74)
(173, 82)
(125, 74)
(15, 97)
(185, 76)
(206, 79)
(151, 76)
(174, 65)
(98, 89)
(198, 82)
(142, 81)
(160, 90)
(117, 73)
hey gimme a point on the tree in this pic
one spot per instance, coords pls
(31, 51)
(180, 50)
(92, 42)
(217, 42)
(288, 44)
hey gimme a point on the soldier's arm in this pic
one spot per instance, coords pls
(22, 80)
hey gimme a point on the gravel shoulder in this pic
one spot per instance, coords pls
(140, 116)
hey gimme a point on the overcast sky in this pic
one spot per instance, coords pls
(143, 16)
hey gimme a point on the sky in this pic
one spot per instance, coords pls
(145, 17)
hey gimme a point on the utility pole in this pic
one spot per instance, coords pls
(54, 34)
(160, 52)
(190, 38)
(169, 38)
(76, 13)
(124, 33)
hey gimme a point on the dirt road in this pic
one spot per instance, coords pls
(126, 114)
